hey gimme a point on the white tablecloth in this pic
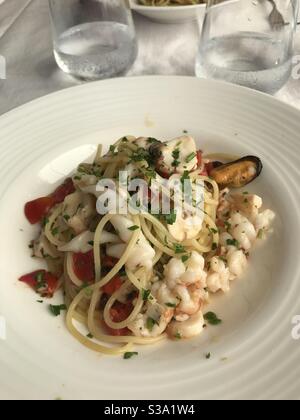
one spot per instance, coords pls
(25, 42)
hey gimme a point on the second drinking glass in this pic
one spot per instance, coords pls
(248, 42)
(93, 39)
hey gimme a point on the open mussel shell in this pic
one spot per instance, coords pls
(237, 174)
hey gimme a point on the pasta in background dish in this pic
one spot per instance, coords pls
(138, 277)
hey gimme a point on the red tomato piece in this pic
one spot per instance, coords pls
(63, 191)
(109, 262)
(113, 285)
(42, 281)
(36, 210)
(83, 265)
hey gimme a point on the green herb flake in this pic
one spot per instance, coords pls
(171, 218)
(208, 356)
(178, 336)
(90, 336)
(146, 294)
(212, 318)
(45, 221)
(214, 231)
(245, 193)
(55, 231)
(179, 249)
(133, 228)
(91, 243)
(184, 258)
(214, 246)
(66, 217)
(130, 354)
(190, 157)
(227, 225)
(56, 309)
(150, 323)
(260, 233)
(40, 301)
(112, 149)
(232, 242)
(170, 305)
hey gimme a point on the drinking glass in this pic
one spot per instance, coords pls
(93, 39)
(248, 42)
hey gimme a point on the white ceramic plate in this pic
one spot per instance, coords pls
(169, 14)
(253, 354)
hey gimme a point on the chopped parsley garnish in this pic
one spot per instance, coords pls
(139, 155)
(212, 230)
(77, 178)
(146, 294)
(223, 259)
(214, 246)
(185, 176)
(150, 173)
(66, 217)
(91, 243)
(227, 225)
(208, 356)
(232, 242)
(151, 140)
(171, 218)
(135, 227)
(30, 246)
(245, 192)
(45, 221)
(176, 153)
(130, 354)
(212, 318)
(190, 157)
(112, 149)
(90, 336)
(171, 305)
(40, 301)
(124, 139)
(184, 258)
(56, 309)
(175, 156)
(150, 323)
(260, 233)
(40, 280)
(55, 231)
(179, 249)
(177, 335)
(185, 131)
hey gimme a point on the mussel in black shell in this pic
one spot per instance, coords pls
(237, 174)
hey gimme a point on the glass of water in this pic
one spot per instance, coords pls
(248, 42)
(93, 39)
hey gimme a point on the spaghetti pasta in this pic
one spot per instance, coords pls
(136, 276)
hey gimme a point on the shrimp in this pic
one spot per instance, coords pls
(142, 254)
(159, 317)
(218, 276)
(242, 230)
(191, 327)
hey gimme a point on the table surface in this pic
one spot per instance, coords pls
(26, 44)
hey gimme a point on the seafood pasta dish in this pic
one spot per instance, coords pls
(141, 239)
